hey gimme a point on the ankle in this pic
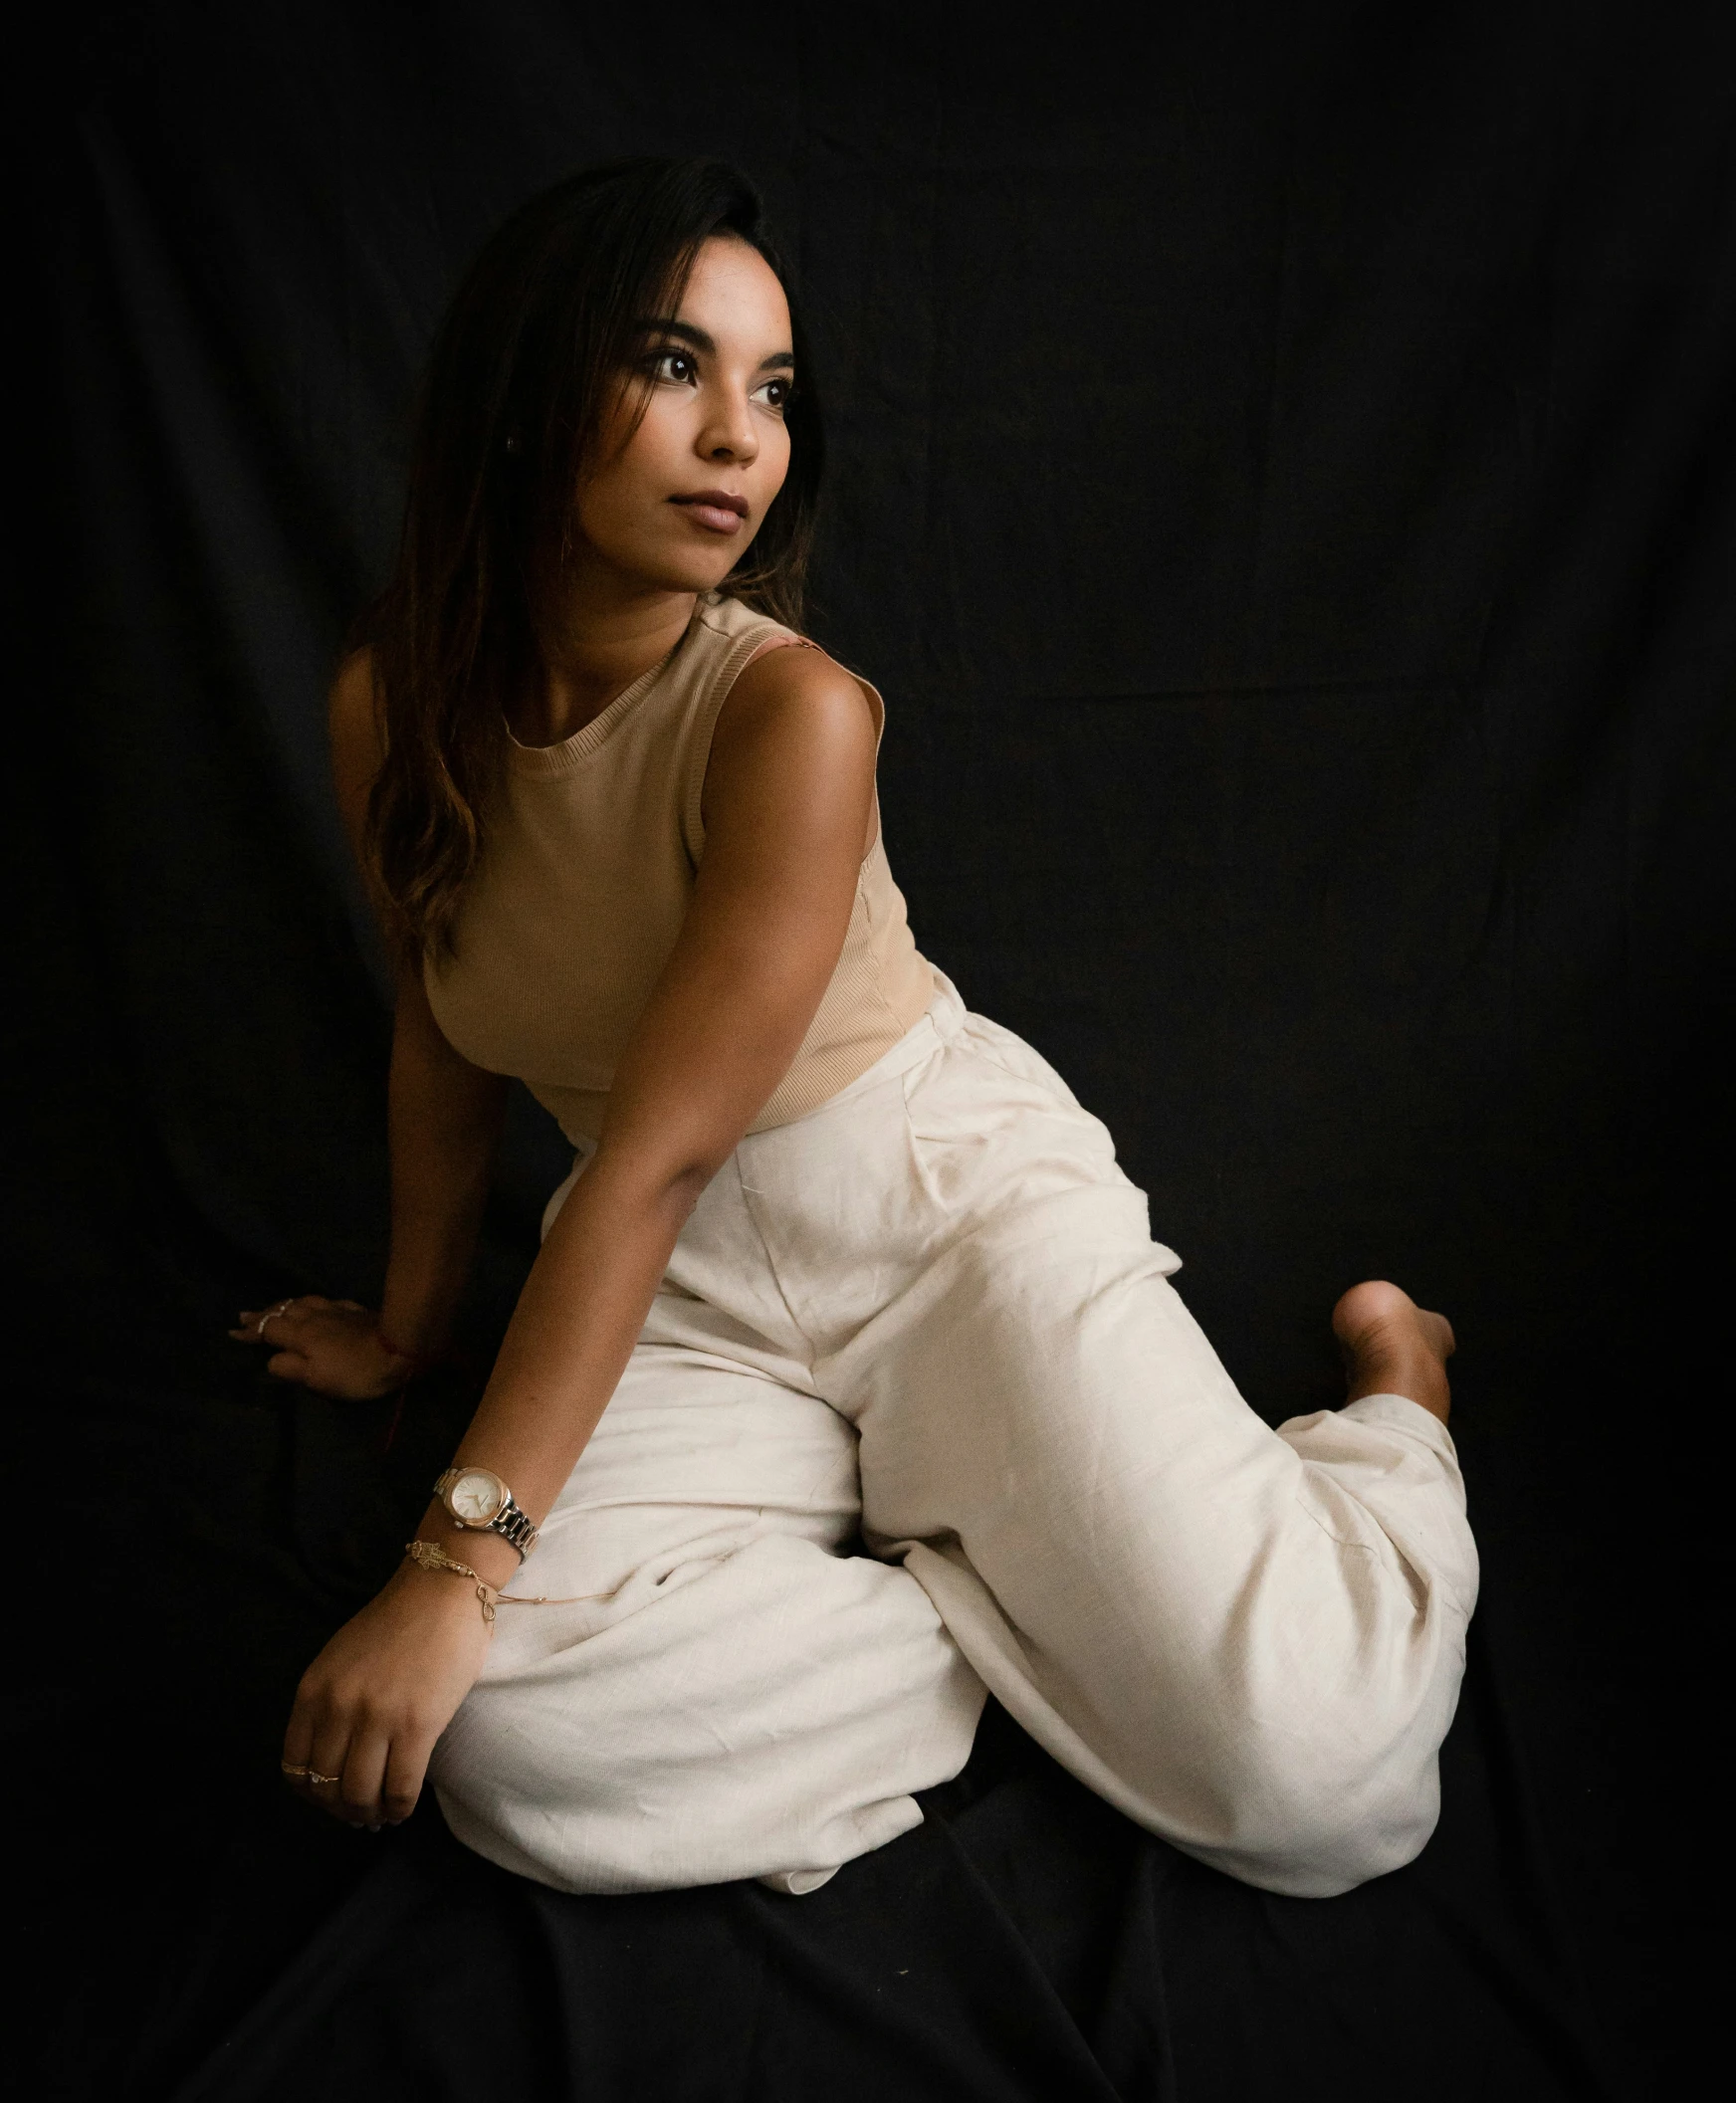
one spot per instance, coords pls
(1390, 1368)
(1392, 1347)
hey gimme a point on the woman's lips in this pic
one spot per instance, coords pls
(716, 510)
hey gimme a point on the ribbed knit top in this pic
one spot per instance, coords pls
(590, 849)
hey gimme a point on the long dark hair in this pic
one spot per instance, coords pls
(528, 361)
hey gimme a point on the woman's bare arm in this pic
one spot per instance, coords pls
(788, 799)
(445, 1121)
(444, 1118)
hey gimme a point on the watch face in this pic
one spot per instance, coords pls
(476, 1496)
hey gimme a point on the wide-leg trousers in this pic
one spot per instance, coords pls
(930, 1317)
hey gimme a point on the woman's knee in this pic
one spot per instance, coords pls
(1312, 1821)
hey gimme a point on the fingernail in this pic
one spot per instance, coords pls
(376, 1828)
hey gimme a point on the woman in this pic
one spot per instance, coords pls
(834, 1250)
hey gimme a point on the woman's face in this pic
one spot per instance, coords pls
(677, 504)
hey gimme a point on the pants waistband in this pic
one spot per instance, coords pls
(942, 1023)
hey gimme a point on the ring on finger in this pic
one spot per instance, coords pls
(298, 1773)
(271, 1314)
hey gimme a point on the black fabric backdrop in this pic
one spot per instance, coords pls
(1285, 486)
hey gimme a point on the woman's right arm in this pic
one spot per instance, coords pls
(445, 1123)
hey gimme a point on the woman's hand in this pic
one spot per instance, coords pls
(331, 1346)
(372, 1703)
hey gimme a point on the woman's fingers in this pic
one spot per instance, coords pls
(326, 1763)
(372, 1705)
(357, 1774)
(331, 1346)
(315, 1748)
(281, 1330)
(263, 1325)
(363, 1772)
(298, 1739)
(406, 1769)
(260, 1324)
(325, 1789)
(335, 1754)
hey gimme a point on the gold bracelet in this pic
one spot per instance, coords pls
(429, 1555)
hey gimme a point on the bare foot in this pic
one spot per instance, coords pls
(1394, 1347)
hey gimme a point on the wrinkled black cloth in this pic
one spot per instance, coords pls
(1024, 1944)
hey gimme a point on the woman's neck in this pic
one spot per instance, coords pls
(602, 643)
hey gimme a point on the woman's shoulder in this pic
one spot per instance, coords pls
(796, 725)
(789, 676)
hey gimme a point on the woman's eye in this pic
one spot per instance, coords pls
(774, 394)
(676, 366)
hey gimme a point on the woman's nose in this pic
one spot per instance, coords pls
(730, 434)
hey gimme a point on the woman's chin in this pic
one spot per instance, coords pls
(691, 575)
(688, 560)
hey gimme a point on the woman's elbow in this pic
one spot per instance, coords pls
(664, 1176)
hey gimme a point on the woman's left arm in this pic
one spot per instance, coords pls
(789, 800)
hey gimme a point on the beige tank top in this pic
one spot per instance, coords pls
(589, 856)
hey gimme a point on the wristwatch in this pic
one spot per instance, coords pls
(476, 1500)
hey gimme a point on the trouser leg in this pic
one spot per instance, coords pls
(1250, 1642)
(742, 1699)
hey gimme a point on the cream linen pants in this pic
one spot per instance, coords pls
(933, 1307)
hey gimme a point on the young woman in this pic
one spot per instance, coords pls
(834, 1251)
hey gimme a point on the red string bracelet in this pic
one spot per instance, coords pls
(417, 1360)
(397, 1418)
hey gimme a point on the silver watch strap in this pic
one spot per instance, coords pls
(511, 1522)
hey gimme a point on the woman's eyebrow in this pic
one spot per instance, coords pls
(777, 361)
